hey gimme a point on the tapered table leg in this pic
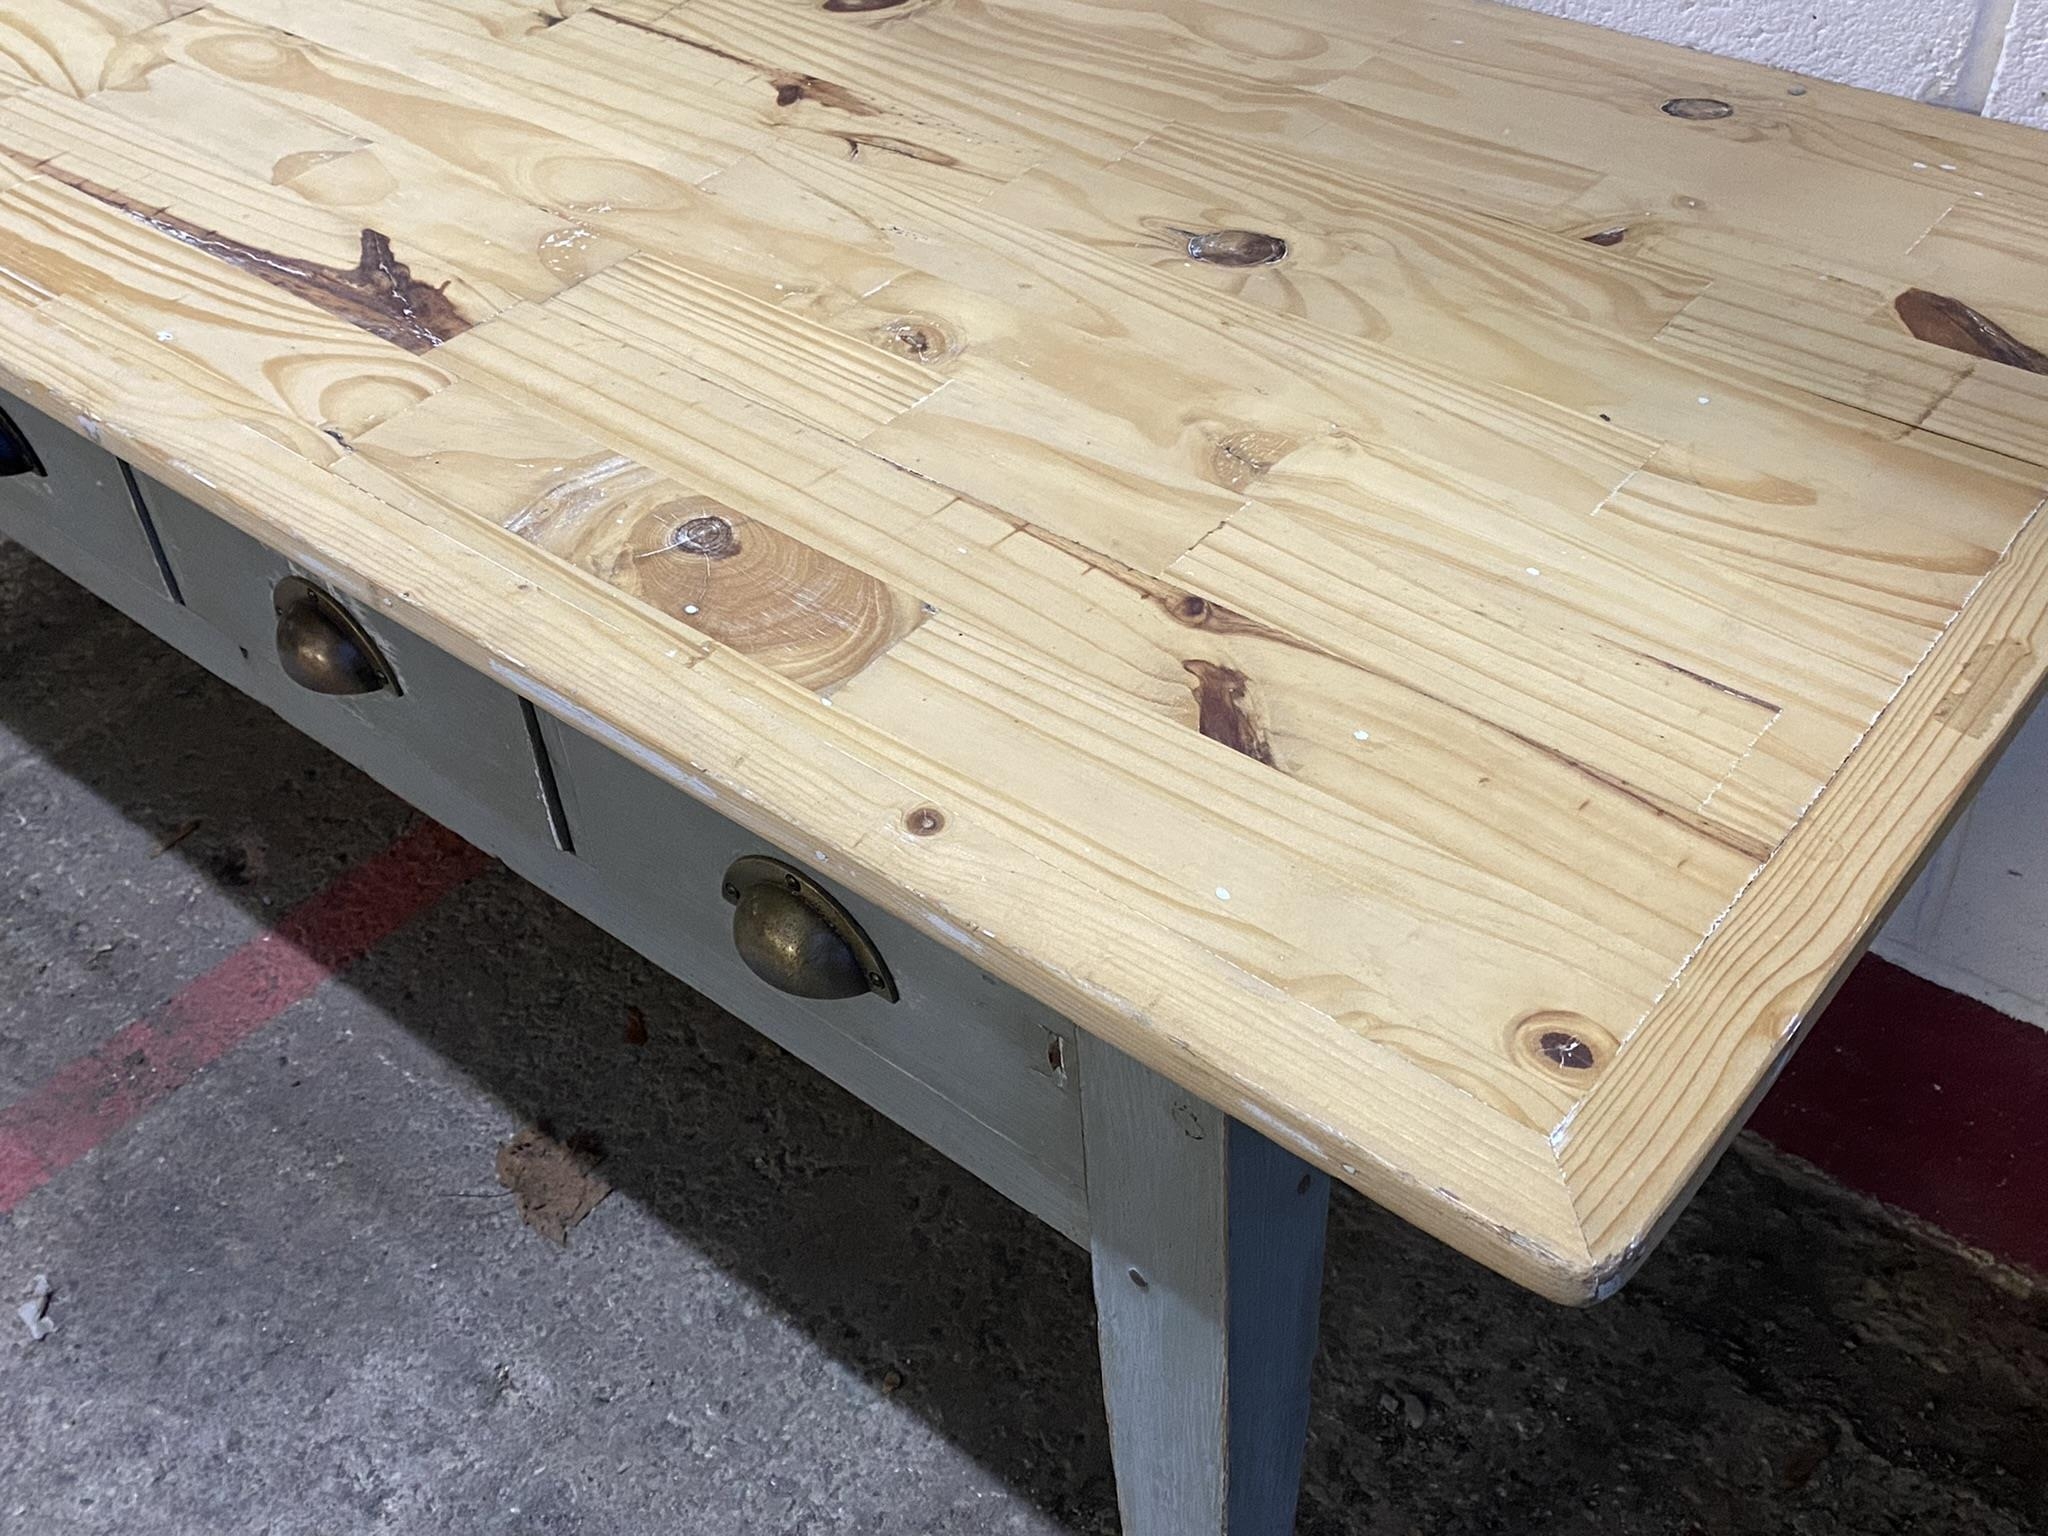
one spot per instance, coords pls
(1207, 1243)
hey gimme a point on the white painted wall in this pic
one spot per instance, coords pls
(1986, 56)
(2019, 85)
(1977, 920)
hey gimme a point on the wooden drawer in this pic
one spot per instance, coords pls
(66, 494)
(455, 744)
(974, 1067)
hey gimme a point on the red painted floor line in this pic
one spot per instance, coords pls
(1928, 1100)
(92, 1097)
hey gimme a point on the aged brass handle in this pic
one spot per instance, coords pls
(797, 938)
(321, 646)
(17, 453)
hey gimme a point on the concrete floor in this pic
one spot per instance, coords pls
(292, 1298)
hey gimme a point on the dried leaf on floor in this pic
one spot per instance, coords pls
(552, 1182)
(636, 1026)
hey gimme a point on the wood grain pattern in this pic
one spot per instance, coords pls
(67, 44)
(1383, 541)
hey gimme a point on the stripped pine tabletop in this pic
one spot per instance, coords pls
(1427, 571)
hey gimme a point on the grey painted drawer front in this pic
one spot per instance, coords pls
(445, 724)
(81, 497)
(976, 1068)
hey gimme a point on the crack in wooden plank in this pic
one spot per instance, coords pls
(790, 86)
(1712, 682)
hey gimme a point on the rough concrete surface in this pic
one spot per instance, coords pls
(293, 1298)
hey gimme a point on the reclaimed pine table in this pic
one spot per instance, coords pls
(1188, 597)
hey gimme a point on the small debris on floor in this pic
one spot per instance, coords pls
(636, 1026)
(892, 1381)
(552, 1181)
(36, 1310)
(1409, 1406)
(177, 837)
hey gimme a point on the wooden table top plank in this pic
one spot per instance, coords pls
(502, 249)
(472, 97)
(66, 45)
(1999, 406)
(1082, 80)
(1450, 692)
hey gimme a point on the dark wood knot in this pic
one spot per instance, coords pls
(920, 339)
(1566, 1046)
(1563, 1049)
(711, 537)
(1236, 248)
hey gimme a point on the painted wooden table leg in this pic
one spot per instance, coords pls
(1207, 1242)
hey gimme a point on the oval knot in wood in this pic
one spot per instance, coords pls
(711, 537)
(1563, 1045)
(917, 338)
(1698, 109)
(1236, 248)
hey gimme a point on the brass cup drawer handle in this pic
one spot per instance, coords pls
(795, 936)
(322, 647)
(17, 453)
